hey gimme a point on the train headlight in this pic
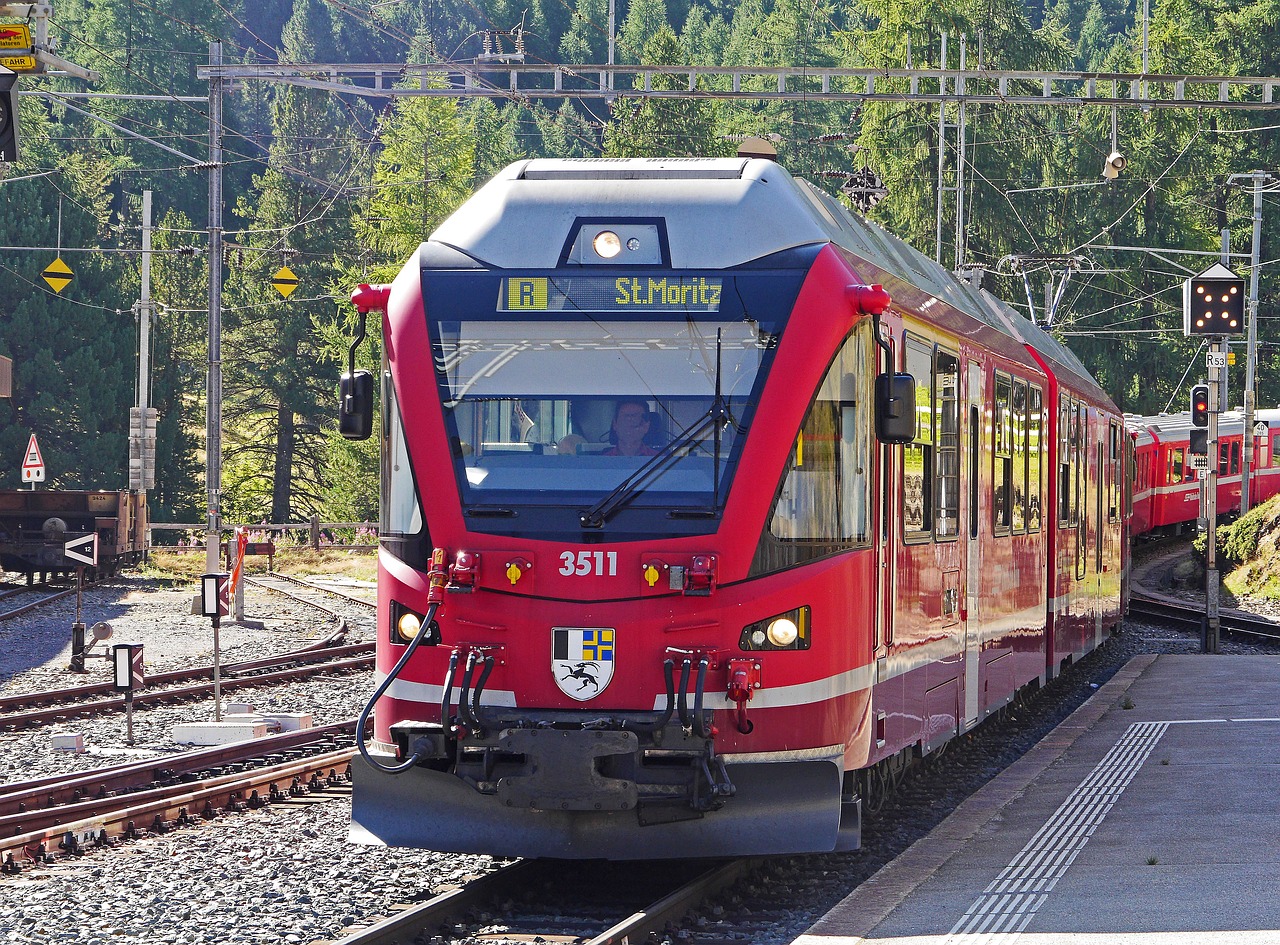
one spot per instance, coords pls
(606, 244)
(406, 622)
(788, 631)
(782, 631)
(618, 242)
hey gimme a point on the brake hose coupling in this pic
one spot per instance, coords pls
(744, 680)
(437, 577)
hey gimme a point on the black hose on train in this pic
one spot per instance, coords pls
(422, 745)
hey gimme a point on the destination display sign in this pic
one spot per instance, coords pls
(664, 292)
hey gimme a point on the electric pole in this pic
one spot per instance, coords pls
(1251, 350)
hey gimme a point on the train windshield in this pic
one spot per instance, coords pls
(617, 403)
(565, 412)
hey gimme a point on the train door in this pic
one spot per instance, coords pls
(973, 542)
(888, 525)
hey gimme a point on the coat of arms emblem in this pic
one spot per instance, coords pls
(582, 660)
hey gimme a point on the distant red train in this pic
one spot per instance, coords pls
(1167, 488)
(706, 507)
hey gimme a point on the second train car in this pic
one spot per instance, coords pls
(675, 558)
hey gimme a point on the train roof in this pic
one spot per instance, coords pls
(524, 215)
(1177, 426)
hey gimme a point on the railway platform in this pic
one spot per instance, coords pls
(1150, 816)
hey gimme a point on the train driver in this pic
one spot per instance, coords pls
(630, 427)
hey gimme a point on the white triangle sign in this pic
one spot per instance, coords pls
(83, 550)
(33, 464)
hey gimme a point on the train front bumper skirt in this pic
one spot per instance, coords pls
(778, 807)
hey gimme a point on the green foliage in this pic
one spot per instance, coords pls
(663, 127)
(1238, 541)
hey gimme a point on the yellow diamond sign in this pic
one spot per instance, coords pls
(57, 274)
(285, 281)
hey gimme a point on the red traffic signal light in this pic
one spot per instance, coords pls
(1213, 303)
(1200, 405)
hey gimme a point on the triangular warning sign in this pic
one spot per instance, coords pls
(57, 274)
(285, 281)
(33, 457)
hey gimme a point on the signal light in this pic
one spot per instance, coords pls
(1200, 405)
(1213, 303)
(1199, 445)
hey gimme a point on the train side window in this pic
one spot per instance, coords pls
(1035, 456)
(1064, 459)
(1077, 459)
(947, 423)
(1275, 449)
(1224, 459)
(1002, 455)
(1018, 430)
(1235, 457)
(1113, 472)
(825, 495)
(1177, 460)
(917, 456)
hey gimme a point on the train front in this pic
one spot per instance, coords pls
(606, 439)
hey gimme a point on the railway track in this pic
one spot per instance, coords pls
(587, 903)
(313, 595)
(10, 611)
(43, 804)
(104, 821)
(1191, 616)
(44, 708)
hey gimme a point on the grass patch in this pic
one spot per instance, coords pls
(164, 565)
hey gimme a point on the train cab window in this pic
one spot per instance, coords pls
(1002, 452)
(1177, 463)
(1035, 456)
(918, 456)
(401, 514)
(946, 413)
(826, 492)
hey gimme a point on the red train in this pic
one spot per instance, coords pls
(1167, 488)
(706, 507)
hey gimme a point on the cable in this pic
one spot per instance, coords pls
(422, 745)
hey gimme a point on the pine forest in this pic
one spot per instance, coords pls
(340, 189)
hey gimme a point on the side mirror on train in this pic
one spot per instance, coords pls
(895, 408)
(355, 405)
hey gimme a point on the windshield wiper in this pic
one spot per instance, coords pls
(625, 491)
(717, 415)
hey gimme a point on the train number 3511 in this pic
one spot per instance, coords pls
(600, 563)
